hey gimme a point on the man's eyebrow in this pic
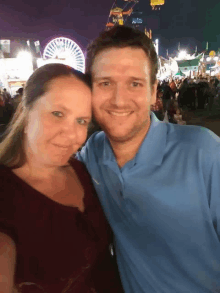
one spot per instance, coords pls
(138, 78)
(101, 78)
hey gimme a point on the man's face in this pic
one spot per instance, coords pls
(122, 93)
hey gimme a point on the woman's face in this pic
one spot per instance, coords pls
(57, 124)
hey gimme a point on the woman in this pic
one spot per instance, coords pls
(53, 235)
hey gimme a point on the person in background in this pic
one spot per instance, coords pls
(7, 113)
(157, 108)
(182, 97)
(178, 117)
(203, 91)
(167, 94)
(54, 237)
(173, 87)
(17, 98)
(158, 183)
(212, 94)
(2, 106)
(7, 96)
(2, 103)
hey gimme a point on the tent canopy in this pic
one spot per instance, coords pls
(179, 73)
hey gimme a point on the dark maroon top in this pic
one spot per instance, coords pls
(59, 248)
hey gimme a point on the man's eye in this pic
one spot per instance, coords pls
(57, 113)
(136, 84)
(105, 83)
(82, 121)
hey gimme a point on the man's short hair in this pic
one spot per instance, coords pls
(122, 37)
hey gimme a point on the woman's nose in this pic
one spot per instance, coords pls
(69, 129)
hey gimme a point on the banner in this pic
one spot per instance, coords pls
(37, 46)
(5, 46)
(157, 2)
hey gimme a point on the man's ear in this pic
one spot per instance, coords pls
(154, 92)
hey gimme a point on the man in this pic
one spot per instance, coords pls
(158, 183)
(7, 96)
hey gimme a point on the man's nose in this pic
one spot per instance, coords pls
(119, 95)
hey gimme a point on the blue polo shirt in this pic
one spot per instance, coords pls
(164, 208)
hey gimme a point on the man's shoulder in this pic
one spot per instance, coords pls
(93, 147)
(96, 139)
(193, 136)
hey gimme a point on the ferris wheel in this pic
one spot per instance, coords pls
(67, 51)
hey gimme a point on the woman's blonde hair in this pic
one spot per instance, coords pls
(11, 147)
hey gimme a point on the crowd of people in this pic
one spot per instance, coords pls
(176, 95)
(8, 106)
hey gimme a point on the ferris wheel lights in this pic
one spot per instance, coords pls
(67, 51)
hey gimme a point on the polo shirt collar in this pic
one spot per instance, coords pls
(153, 147)
(151, 150)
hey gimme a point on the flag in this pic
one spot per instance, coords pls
(166, 118)
(207, 46)
(5, 46)
(200, 56)
(37, 46)
(146, 33)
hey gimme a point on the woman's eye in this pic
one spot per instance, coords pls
(57, 113)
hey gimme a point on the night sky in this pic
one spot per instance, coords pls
(190, 22)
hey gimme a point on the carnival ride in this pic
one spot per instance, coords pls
(67, 51)
(117, 14)
(122, 9)
(156, 4)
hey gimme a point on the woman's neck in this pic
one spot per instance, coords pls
(37, 171)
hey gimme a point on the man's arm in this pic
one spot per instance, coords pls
(7, 263)
(214, 191)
